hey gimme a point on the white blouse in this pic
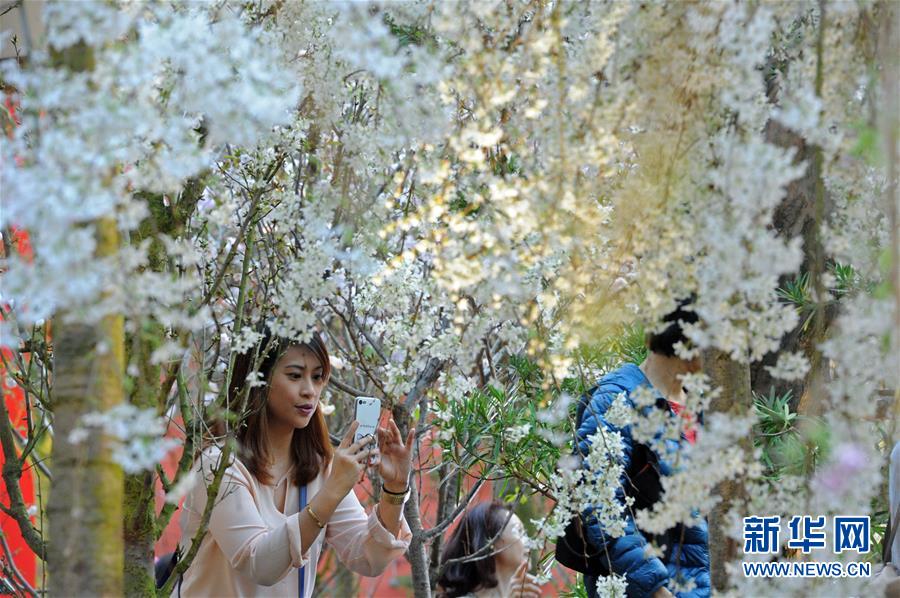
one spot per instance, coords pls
(252, 548)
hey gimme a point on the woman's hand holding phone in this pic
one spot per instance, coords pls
(349, 462)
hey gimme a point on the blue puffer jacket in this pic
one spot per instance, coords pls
(687, 548)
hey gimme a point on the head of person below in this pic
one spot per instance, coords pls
(485, 556)
(685, 561)
(259, 533)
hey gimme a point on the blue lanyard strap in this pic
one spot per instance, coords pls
(301, 577)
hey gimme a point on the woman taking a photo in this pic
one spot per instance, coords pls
(485, 556)
(287, 489)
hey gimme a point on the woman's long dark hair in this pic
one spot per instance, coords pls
(480, 526)
(311, 448)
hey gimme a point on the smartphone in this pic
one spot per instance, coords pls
(368, 412)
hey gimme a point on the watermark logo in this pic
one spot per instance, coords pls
(806, 533)
(761, 535)
(851, 533)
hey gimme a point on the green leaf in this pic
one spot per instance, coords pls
(868, 144)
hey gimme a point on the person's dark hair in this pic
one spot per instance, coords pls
(479, 526)
(664, 342)
(311, 448)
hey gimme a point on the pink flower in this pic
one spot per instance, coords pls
(849, 459)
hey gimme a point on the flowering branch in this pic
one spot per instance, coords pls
(212, 492)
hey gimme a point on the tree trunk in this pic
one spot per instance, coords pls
(139, 534)
(736, 398)
(889, 122)
(448, 496)
(139, 505)
(139, 500)
(805, 208)
(417, 554)
(85, 507)
(140, 531)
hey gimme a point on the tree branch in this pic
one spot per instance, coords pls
(14, 572)
(484, 551)
(12, 472)
(212, 492)
(354, 392)
(426, 378)
(439, 529)
(187, 453)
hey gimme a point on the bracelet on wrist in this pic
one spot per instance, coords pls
(394, 498)
(386, 491)
(319, 523)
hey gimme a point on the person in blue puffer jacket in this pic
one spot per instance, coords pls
(686, 556)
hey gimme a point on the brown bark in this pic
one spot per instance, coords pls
(85, 507)
(140, 529)
(447, 497)
(417, 554)
(802, 212)
(796, 216)
(733, 379)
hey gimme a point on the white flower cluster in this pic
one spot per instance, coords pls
(139, 435)
(790, 366)
(245, 339)
(689, 490)
(605, 467)
(611, 586)
(620, 412)
(740, 258)
(517, 433)
(578, 488)
(564, 486)
(864, 355)
(89, 139)
(655, 426)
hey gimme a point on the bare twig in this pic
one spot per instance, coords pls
(439, 528)
(212, 492)
(11, 6)
(12, 472)
(486, 550)
(354, 392)
(13, 570)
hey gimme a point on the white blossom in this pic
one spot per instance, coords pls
(138, 434)
(611, 586)
(790, 366)
(517, 433)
